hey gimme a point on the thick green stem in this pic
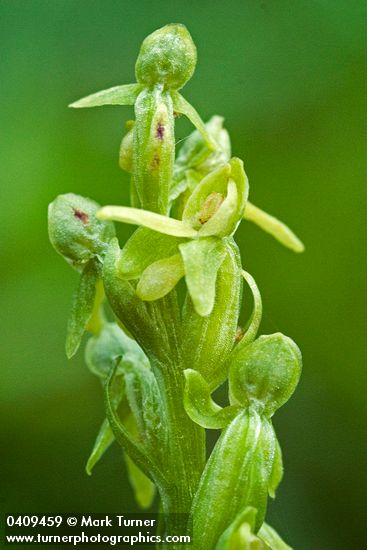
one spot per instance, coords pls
(185, 454)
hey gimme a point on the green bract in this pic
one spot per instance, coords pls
(170, 348)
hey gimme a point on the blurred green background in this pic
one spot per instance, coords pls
(290, 78)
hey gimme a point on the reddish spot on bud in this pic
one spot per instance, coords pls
(160, 131)
(82, 216)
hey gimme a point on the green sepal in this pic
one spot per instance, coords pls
(265, 373)
(240, 534)
(208, 355)
(82, 306)
(201, 259)
(188, 181)
(271, 538)
(167, 56)
(144, 247)
(215, 182)
(160, 277)
(200, 406)
(195, 159)
(103, 349)
(277, 471)
(228, 181)
(218, 223)
(146, 218)
(183, 107)
(118, 95)
(279, 230)
(74, 230)
(195, 153)
(236, 476)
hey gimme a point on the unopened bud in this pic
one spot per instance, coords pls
(167, 56)
(265, 373)
(74, 230)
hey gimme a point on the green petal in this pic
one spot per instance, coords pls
(271, 537)
(202, 259)
(142, 249)
(230, 181)
(154, 221)
(82, 306)
(274, 227)
(118, 95)
(160, 278)
(215, 182)
(218, 223)
(182, 106)
(200, 406)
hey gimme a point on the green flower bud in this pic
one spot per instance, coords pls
(74, 230)
(167, 56)
(265, 373)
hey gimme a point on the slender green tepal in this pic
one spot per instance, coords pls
(168, 347)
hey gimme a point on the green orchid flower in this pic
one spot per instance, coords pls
(166, 61)
(195, 160)
(245, 465)
(166, 249)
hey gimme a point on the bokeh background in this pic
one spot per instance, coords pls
(290, 78)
